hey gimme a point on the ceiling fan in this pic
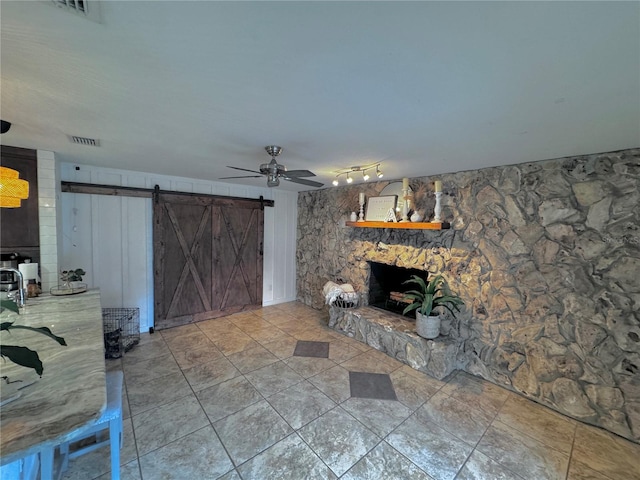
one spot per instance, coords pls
(275, 171)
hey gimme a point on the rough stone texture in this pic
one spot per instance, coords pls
(397, 337)
(570, 398)
(545, 255)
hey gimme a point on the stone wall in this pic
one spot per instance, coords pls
(546, 256)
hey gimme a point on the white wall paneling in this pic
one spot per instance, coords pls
(111, 237)
(280, 265)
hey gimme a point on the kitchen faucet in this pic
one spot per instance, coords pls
(18, 296)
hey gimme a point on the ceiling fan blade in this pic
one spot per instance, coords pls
(244, 176)
(299, 173)
(302, 181)
(244, 169)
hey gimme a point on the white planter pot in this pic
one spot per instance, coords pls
(427, 326)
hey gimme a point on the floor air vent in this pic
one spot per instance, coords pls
(90, 142)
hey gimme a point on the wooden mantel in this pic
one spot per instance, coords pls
(405, 225)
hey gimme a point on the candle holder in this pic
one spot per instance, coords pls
(437, 211)
(361, 216)
(406, 204)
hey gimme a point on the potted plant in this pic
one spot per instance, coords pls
(22, 355)
(70, 278)
(426, 299)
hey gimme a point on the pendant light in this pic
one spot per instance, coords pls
(12, 189)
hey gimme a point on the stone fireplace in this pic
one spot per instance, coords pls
(545, 256)
(381, 325)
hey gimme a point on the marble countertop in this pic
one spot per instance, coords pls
(72, 389)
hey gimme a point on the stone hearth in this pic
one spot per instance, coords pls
(394, 335)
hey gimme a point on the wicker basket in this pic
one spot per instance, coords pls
(347, 304)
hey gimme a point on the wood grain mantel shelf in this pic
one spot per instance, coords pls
(405, 225)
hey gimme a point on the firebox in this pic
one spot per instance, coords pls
(386, 288)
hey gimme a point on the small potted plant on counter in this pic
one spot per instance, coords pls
(70, 282)
(69, 276)
(426, 299)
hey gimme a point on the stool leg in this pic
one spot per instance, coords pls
(46, 464)
(30, 466)
(64, 455)
(115, 434)
(13, 470)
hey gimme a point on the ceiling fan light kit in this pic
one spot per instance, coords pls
(274, 171)
(272, 181)
(357, 168)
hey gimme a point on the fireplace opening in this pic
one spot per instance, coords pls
(386, 288)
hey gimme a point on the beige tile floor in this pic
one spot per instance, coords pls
(225, 399)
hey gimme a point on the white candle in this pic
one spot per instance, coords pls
(405, 184)
(438, 185)
(361, 198)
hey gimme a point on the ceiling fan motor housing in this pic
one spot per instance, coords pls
(274, 171)
(272, 168)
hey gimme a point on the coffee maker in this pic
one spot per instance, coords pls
(9, 280)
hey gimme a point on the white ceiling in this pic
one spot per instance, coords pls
(186, 88)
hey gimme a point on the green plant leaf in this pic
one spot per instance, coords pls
(22, 356)
(410, 307)
(5, 325)
(43, 330)
(413, 294)
(418, 280)
(431, 295)
(9, 305)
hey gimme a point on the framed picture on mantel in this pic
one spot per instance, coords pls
(378, 207)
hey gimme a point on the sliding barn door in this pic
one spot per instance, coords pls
(207, 257)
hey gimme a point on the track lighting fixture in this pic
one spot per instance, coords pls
(357, 168)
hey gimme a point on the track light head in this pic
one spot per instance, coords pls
(335, 182)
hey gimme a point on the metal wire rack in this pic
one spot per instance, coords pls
(121, 330)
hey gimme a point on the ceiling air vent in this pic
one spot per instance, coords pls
(89, 142)
(84, 8)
